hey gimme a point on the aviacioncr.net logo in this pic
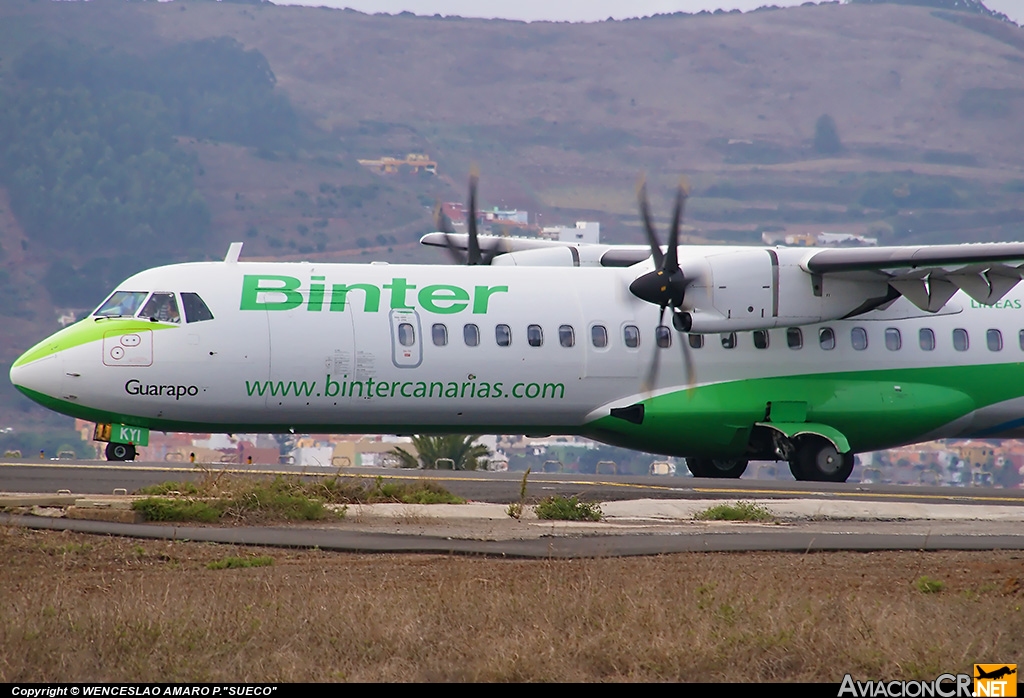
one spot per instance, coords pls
(944, 686)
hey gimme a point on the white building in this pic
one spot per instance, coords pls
(584, 231)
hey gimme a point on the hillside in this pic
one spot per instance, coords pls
(561, 118)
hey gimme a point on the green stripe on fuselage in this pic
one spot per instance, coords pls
(873, 409)
(85, 331)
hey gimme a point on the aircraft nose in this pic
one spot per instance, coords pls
(37, 378)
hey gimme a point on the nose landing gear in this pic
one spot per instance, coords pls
(120, 452)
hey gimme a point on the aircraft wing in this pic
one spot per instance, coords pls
(582, 253)
(929, 275)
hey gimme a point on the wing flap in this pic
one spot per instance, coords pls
(929, 276)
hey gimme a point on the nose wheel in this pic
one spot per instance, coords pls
(120, 451)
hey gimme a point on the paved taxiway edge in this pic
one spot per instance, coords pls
(632, 528)
(543, 547)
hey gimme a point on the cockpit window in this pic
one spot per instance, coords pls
(122, 304)
(161, 307)
(195, 309)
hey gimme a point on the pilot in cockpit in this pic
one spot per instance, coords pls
(162, 307)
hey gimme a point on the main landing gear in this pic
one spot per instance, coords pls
(120, 451)
(811, 457)
(716, 467)
(817, 459)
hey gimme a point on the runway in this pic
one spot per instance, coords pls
(644, 515)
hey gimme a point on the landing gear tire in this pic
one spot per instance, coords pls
(120, 451)
(818, 460)
(716, 467)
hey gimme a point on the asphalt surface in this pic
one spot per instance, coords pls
(101, 477)
(644, 515)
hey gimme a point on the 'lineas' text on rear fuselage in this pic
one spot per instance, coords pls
(279, 292)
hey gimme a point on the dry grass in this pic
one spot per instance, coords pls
(108, 609)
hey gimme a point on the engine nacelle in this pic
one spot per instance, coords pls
(540, 257)
(740, 289)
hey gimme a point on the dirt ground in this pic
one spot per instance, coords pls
(76, 607)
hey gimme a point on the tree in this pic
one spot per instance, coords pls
(460, 449)
(826, 136)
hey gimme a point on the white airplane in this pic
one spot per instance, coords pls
(795, 354)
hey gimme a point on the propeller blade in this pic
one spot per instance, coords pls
(672, 258)
(444, 224)
(473, 256)
(645, 214)
(652, 371)
(691, 371)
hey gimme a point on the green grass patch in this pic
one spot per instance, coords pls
(737, 511)
(67, 549)
(232, 563)
(166, 488)
(561, 508)
(166, 509)
(282, 498)
(347, 491)
(929, 585)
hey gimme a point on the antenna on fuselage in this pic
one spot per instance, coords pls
(234, 250)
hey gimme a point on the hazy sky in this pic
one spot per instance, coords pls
(580, 10)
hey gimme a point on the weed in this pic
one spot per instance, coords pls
(231, 563)
(929, 585)
(67, 549)
(515, 510)
(739, 511)
(562, 508)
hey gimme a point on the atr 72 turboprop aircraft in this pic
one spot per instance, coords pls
(795, 354)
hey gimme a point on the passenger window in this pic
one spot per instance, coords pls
(696, 341)
(728, 340)
(599, 336)
(1020, 339)
(566, 335)
(195, 308)
(406, 334)
(761, 339)
(859, 338)
(503, 335)
(663, 336)
(961, 342)
(927, 339)
(631, 336)
(122, 304)
(995, 340)
(471, 333)
(440, 334)
(827, 338)
(161, 307)
(893, 339)
(794, 338)
(534, 335)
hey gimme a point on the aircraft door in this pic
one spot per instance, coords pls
(312, 355)
(406, 338)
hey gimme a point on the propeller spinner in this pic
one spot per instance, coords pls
(666, 285)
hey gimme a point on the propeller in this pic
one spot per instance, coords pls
(666, 285)
(473, 255)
